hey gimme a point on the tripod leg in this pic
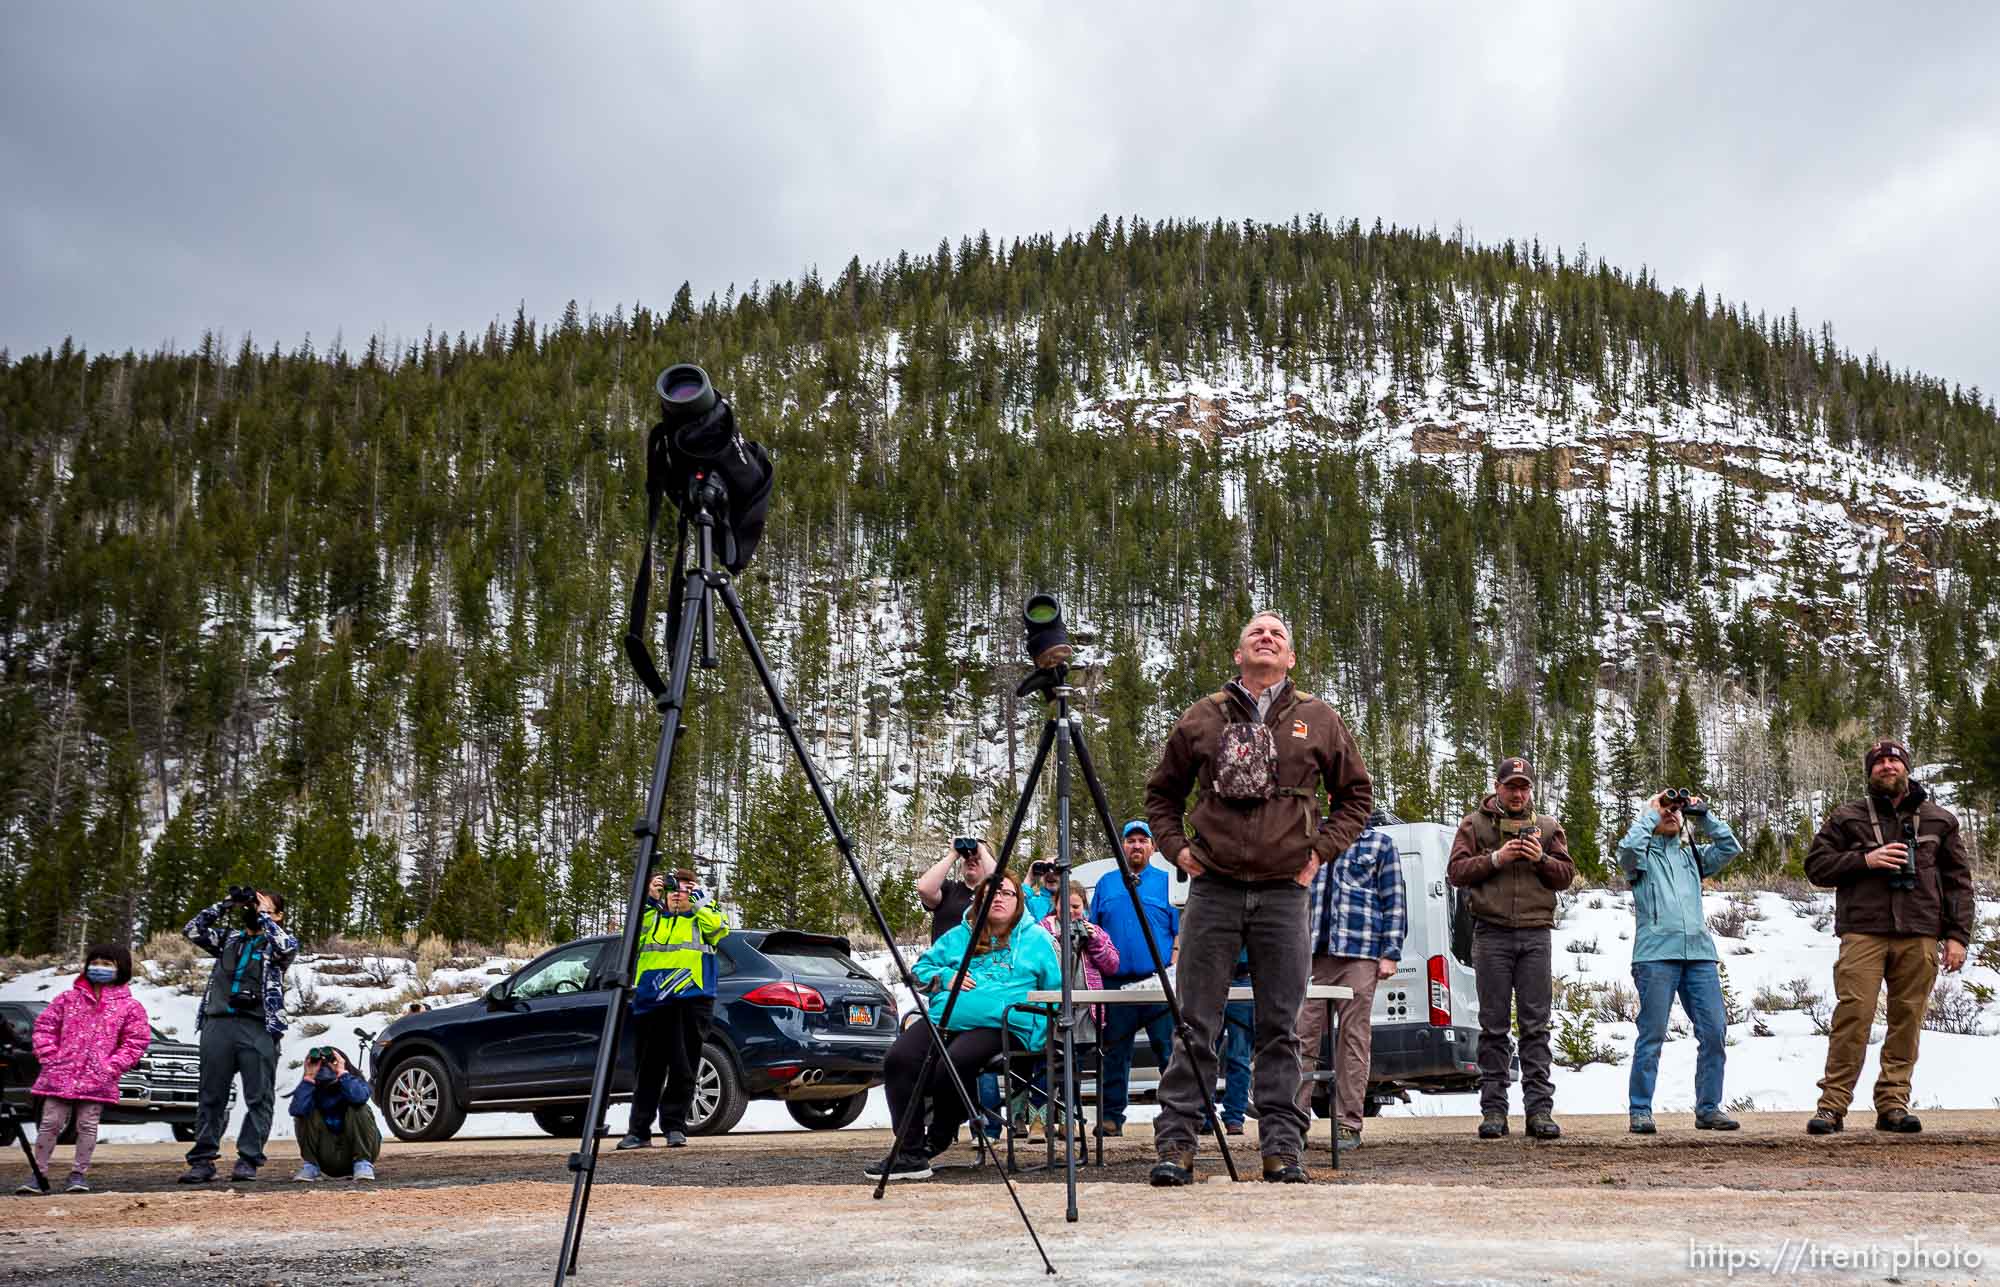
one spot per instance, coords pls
(28, 1151)
(979, 914)
(804, 757)
(1182, 1031)
(584, 1161)
(936, 1051)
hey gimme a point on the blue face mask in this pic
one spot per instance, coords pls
(100, 973)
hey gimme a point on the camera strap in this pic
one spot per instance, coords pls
(636, 651)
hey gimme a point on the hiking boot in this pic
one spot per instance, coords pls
(1347, 1138)
(1715, 1122)
(1542, 1126)
(1899, 1120)
(1111, 1130)
(308, 1174)
(634, 1141)
(1285, 1170)
(1173, 1170)
(1824, 1122)
(677, 1139)
(1232, 1128)
(907, 1166)
(363, 1170)
(1492, 1126)
(1642, 1122)
(197, 1173)
(244, 1172)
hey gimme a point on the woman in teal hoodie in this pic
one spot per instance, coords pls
(1011, 957)
(1672, 953)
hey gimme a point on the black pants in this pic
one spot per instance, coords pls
(1514, 975)
(668, 1040)
(970, 1051)
(232, 1044)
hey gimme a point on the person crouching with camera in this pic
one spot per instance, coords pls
(337, 1132)
(673, 1004)
(240, 1021)
(1672, 952)
(86, 1040)
(1903, 907)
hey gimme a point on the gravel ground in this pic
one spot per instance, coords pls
(1423, 1201)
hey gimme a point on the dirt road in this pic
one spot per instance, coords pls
(1423, 1201)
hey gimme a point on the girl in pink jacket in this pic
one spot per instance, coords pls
(86, 1039)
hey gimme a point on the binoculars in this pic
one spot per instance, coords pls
(1682, 800)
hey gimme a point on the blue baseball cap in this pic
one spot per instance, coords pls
(1137, 824)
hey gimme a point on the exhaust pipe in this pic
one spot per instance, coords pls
(809, 1077)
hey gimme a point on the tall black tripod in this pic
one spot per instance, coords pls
(1064, 731)
(703, 508)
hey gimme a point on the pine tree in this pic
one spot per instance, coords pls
(1763, 858)
(1121, 750)
(1686, 764)
(1582, 821)
(321, 867)
(466, 909)
(381, 906)
(1627, 782)
(173, 872)
(788, 874)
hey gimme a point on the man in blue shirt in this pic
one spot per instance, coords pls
(1111, 911)
(1360, 916)
(1672, 951)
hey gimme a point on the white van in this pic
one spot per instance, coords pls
(1426, 1017)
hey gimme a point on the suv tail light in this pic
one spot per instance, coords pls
(1440, 994)
(780, 996)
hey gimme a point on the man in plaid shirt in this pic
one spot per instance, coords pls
(1359, 918)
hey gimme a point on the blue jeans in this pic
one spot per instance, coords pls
(1237, 1020)
(1699, 987)
(1122, 1026)
(989, 1100)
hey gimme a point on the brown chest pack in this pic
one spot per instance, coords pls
(1246, 759)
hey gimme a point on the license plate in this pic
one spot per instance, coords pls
(860, 1016)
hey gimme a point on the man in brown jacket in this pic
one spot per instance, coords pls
(1511, 863)
(1897, 921)
(1262, 753)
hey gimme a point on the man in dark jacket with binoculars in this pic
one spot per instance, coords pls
(1903, 909)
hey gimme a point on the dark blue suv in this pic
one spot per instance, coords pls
(795, 1019)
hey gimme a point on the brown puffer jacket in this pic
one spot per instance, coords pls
(1941, 904)
(1520, 895)
(1255, 840)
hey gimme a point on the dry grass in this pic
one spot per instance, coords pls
(174, 961)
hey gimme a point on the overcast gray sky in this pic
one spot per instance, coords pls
(356, 168)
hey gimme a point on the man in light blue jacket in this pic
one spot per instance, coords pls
(1672, 953)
